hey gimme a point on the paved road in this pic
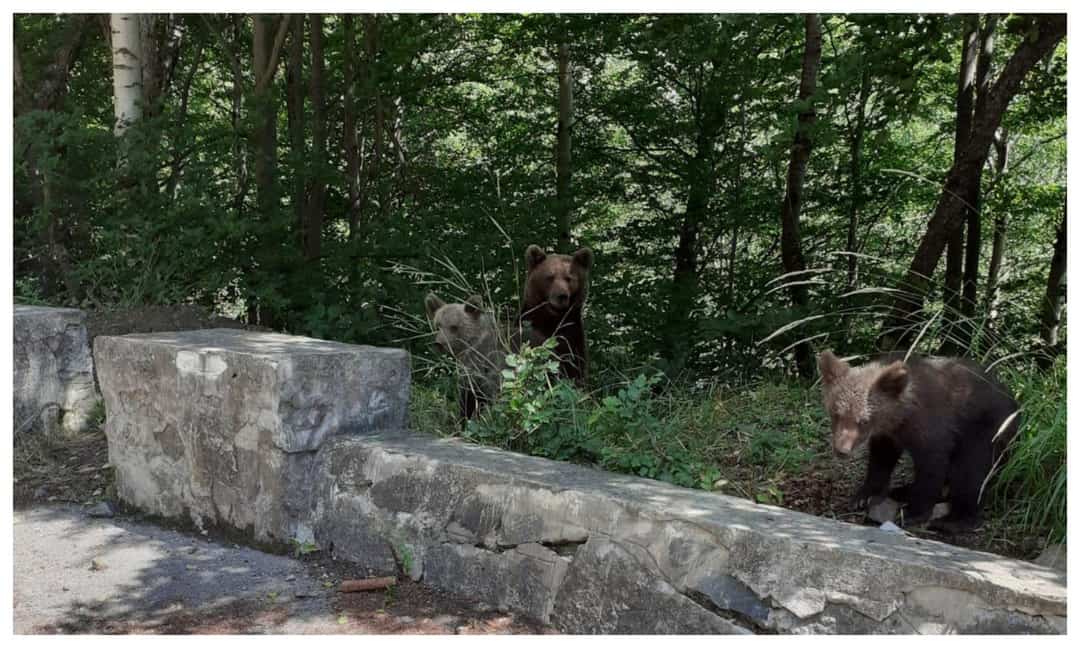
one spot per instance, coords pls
(74, 573)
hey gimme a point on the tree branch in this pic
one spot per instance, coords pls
(275, 55)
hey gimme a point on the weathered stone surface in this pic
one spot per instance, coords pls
(882, 509)
(524, 578)
(222, 425)
(609, 592)
(54, 374)
(598, 552)
(1055, 556)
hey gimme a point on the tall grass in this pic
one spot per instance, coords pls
(1030, 488)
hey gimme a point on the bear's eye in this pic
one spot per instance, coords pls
(454, 328)
(550, 278)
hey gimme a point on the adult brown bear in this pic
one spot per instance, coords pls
(951, 416)
(556, 287)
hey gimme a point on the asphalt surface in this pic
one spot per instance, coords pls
(79, 574)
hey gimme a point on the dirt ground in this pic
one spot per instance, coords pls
(825, 489)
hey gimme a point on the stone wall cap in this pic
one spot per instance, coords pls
(254, 343)
(27, 309)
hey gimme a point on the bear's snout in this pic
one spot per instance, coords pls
(844, 440)
(560, 299)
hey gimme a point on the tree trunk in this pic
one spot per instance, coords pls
(350, 137)
(997, 252)
(265, 55)
(294, 110)
(266, 51)
(964, 115)
(678, 328)
(185, 101)
(20, 101)
(127, 70)
(954, 254)
(161, 43)
(973, 245)
(1054, 301)
(950, 210)
(954, 279)
(564, 170)
(790, 239)
(313, 217)
(856, 180)
(231, 52)
(53, 87)
(371, 46)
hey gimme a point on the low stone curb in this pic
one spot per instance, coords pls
(594, 552)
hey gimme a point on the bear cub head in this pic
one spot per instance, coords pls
(863, 401)
(557, 282)
(462, 330)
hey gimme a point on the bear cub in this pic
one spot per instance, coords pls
(556, 287)
(468, 333)
(950, 415)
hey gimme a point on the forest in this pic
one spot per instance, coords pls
(754, 189)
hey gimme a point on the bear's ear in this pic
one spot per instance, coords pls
(831, 367)
(474, 305)
(534, 256)
(893, 379)
(432, 303)
(583, 258)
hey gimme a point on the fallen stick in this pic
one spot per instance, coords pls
(367, 584)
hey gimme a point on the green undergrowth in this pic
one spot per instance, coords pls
(1030, 488)
(644, 425)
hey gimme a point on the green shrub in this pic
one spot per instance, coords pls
(629, 430)
(1030, 489)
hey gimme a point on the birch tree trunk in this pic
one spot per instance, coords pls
(127, 70)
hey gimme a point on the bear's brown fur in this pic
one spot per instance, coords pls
(949, 414)
(467, 332)
(556, 287)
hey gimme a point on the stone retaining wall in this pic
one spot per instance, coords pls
(54, 381)
(594, 552)
(221, 425)
(291, 438)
